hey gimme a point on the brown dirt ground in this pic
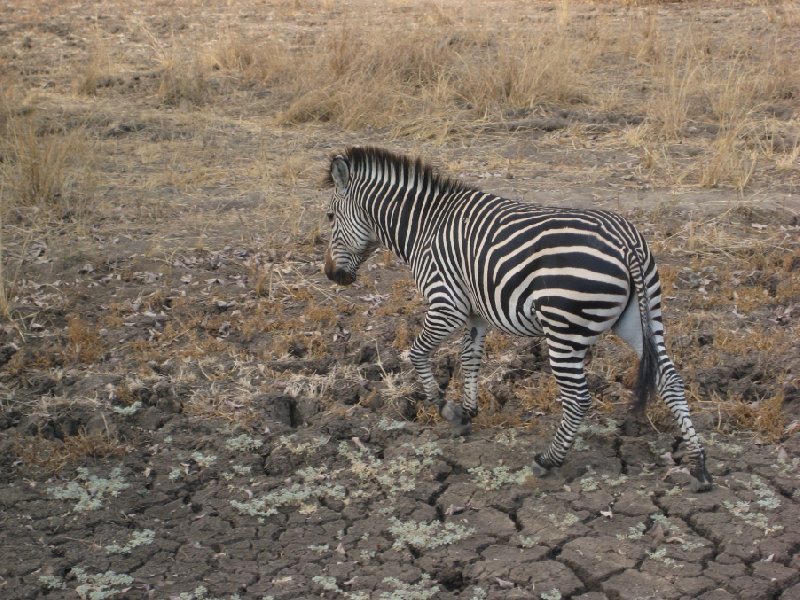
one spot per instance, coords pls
(190, 409)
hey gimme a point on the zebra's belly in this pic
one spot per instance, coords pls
(520, 324)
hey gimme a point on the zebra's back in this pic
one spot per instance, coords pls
(521, 262)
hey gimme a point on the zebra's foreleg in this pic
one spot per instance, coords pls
(471, 358)
(671, 389)
(568, 368)
(438, 325)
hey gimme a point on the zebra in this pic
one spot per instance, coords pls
(483, 261)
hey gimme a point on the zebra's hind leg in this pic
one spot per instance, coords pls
(471, 358)
(568, 368)
(671, 389)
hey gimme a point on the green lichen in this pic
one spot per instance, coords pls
(689, 546)
(605, 428)
(528, 541)
(291, 443)
(634, 533)
(315, 485)
(661, 555)
(742, 511)
(615, 481)
(127, 410)
(243, 443)
(89, 490)
(552, 594)
(329, 584)
(387, 425)
(720, 444)
(203, 460)
(508, 438)
(201, 593)
(142, 537)
(662, 520)
(566, 522)
(326, 583)
(422, 590)
(497, 477)
(767, 498)
(367, 555)
(100, 585)
(395, 475)
(428, 536)
(52, 582)
(478, 593)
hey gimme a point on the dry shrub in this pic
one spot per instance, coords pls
(402, 337)
(728, 161)
(354, 78)
(765, 417)
(357, 78)
(498, 343)
(262, 60)
(51, 456)
(539, 395)
(83, 342)
(403, 299)
(98, 65)
(48, 171)
(183, 82)
(526, 70)
(670, 106)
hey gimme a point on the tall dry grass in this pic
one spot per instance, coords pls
(356, 76)
(48, 171)
(449, 71)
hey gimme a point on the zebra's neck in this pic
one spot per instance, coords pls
(403, 205)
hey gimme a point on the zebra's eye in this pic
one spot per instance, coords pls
(330, 216)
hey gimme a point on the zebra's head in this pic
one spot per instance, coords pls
(352, 237)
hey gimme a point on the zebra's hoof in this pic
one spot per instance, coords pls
(457, 417)
(537, 468)
(701, 480)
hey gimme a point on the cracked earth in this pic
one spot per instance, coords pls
(361, 506)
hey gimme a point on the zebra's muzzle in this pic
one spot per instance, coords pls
(340, 276)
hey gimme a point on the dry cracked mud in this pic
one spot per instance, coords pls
(363, 506)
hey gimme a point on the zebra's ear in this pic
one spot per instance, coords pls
(340, 172)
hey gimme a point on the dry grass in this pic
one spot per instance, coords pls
(50, 456)
(84, 344)
(764, 417)
(45, 171)
(212, 133)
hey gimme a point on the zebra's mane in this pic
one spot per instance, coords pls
(378, 160)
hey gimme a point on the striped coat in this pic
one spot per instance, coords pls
(484, 261)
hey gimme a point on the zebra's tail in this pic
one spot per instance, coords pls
(648, 365)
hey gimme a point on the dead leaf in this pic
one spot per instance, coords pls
(503, 583)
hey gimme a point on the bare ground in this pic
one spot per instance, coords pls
(190, 410)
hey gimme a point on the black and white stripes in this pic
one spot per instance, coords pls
(481, 260)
